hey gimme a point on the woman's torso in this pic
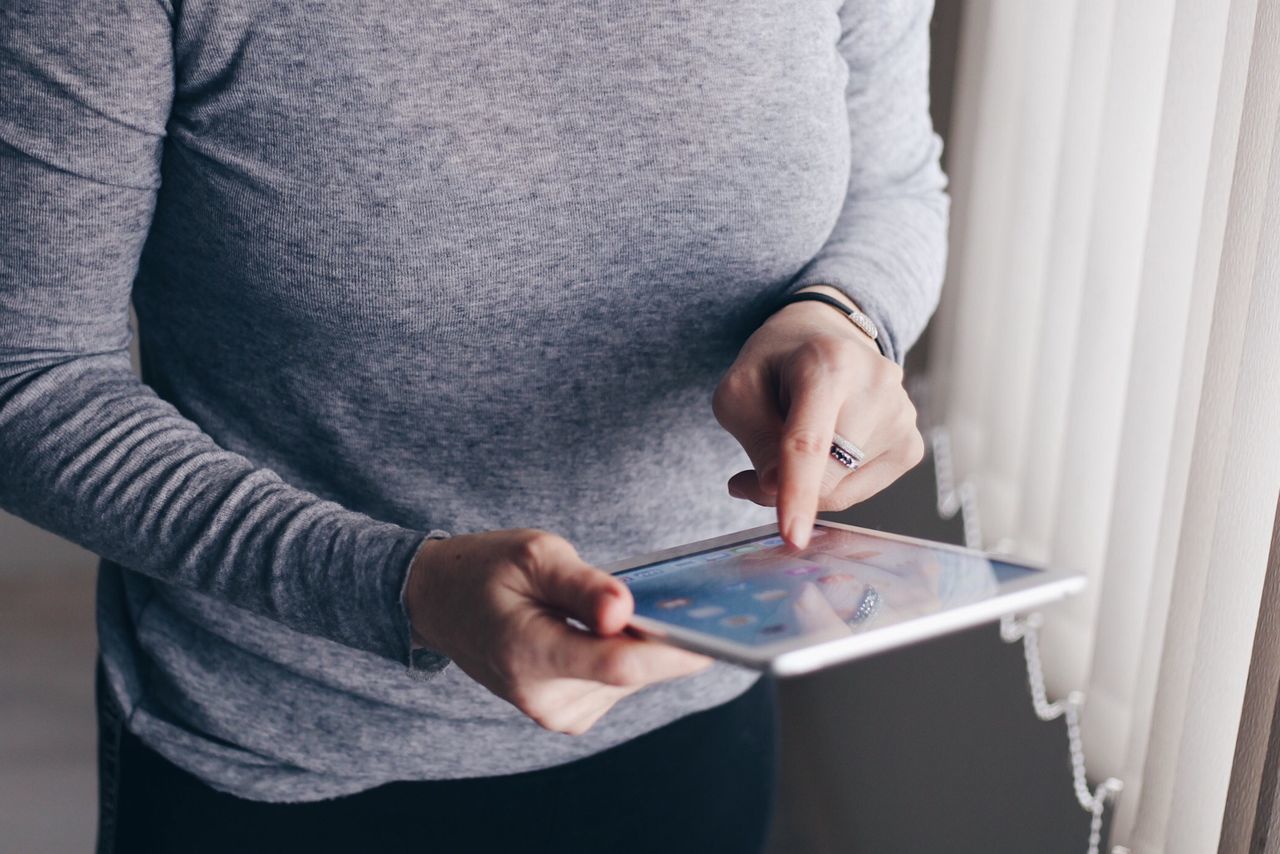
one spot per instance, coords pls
(461, 266)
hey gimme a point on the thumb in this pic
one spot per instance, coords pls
(748, 485)
(746, 405)
(587, 594)
(762, 440)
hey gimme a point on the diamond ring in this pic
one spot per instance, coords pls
(846, 453)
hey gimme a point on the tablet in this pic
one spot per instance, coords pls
(750, 599)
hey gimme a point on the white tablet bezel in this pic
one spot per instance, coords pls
(794, 656)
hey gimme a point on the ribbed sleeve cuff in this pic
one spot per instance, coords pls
(423, 663)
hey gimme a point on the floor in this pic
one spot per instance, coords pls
(48, 790)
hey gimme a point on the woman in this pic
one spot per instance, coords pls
(403, 270)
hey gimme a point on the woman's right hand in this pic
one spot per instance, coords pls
(496, 604)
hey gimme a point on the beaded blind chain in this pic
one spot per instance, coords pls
(1027, 630)
(954, 499)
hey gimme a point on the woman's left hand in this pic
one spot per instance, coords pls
(805, 375)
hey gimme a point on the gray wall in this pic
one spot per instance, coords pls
(27, 550)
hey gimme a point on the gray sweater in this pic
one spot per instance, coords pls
(413, 266)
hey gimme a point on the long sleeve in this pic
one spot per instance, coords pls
(888, 248)
(86, 449)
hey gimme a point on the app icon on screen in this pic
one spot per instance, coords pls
(738, 620)
(836, 578)
(769, 595)
(706, 612)
(672, 604)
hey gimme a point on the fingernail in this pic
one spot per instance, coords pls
(796, 532)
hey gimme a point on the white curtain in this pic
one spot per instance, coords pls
(1095, 160)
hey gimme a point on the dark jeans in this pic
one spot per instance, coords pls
(701, 784)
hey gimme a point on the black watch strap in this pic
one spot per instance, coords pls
(857, 318)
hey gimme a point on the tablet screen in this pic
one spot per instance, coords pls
(760, 591)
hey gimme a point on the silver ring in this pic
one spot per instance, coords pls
(846, 453)
(867, 606)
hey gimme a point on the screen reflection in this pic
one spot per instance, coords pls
(845, 582)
